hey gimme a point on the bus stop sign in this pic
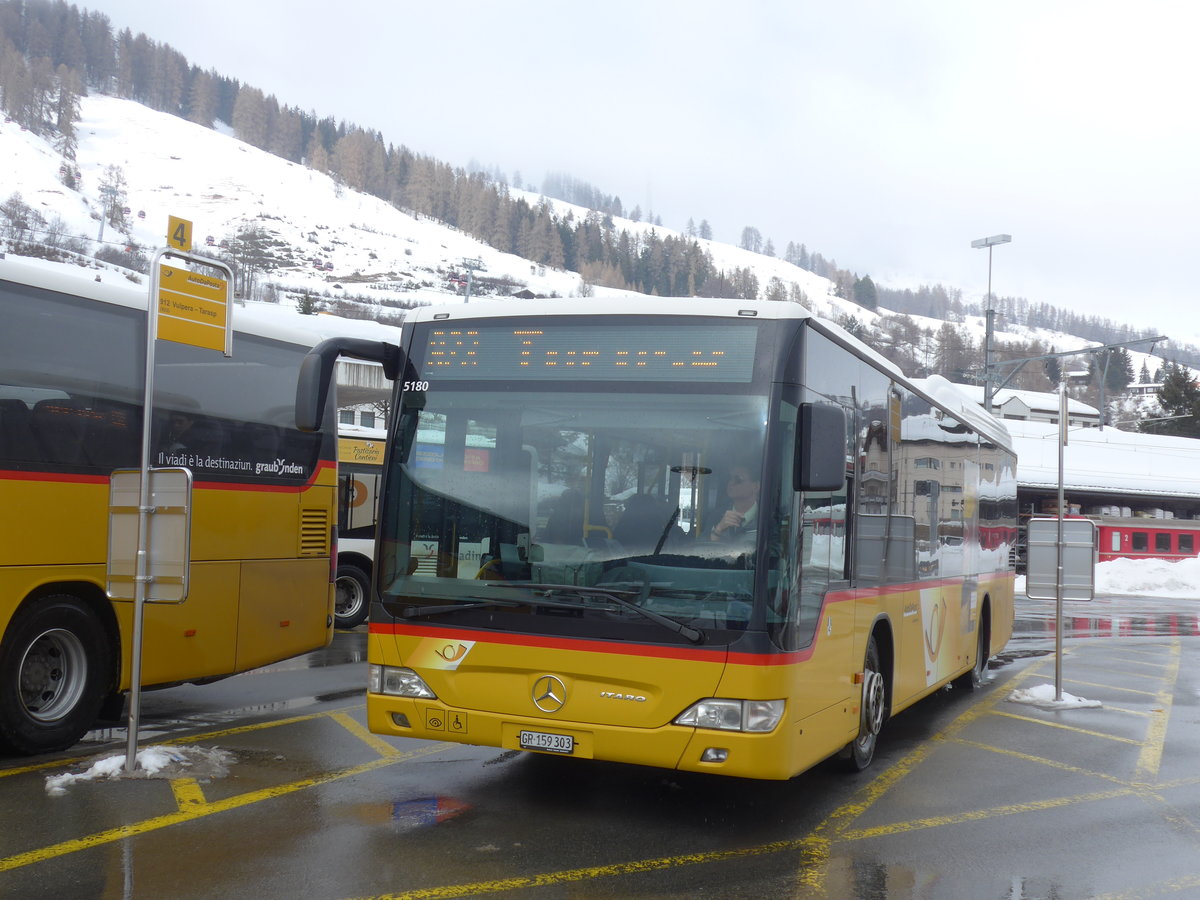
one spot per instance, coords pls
(1078, 559)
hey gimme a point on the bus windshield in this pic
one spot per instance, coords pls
(579, 499)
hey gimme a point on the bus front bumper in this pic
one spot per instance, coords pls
(738, 754)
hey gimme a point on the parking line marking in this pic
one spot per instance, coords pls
(373, 741)
(977, 815)
(1041, 760)
(1089, 733)
(53, 764)
(1141, 713)
(1110, 687)
(1150, 758)
(183, 739)
(187, 793)
(606, 871)
(194, 811)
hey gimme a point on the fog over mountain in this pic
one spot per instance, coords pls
(297, 236)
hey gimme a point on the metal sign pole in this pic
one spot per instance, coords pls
(143, 545)
(144, 577)
(1058, 579)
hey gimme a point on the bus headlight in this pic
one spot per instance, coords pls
(397, 682)
(758, 716)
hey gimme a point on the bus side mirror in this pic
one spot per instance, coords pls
(820, 463)
(316, 373)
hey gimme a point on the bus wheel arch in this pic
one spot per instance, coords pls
(352, 591)
(876, 699)
(58, 664)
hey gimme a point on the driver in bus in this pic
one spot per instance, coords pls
(741, 519)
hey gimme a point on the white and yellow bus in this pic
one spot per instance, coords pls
(557, 571)
(264, 500)
(360, 470)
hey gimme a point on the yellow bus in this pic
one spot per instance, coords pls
(264, 500)
(712, 536)
(360, 469)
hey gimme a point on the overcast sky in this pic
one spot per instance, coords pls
(886, 136)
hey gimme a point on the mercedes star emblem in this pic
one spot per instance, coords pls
(549, 693)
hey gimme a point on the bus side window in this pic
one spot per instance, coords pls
(114, 438)
(16, 433)
(60, 426)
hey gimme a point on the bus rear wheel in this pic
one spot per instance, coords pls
(55, 666)
(352, 596)
(872, 714)
(973, 680)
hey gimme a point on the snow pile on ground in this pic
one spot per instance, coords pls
(1143, 578)
(1042, 697)
(151, 762)
(1149, 577)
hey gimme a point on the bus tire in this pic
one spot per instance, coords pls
(352, 597)
(973, 680)
(872, 712)
(55, 671)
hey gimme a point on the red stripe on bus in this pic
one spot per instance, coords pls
(616, 648)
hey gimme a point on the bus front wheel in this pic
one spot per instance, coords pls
(352, 599)
(55, 664)
(873, 711)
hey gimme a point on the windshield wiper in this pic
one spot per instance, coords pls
(612, 596)
(411, 612)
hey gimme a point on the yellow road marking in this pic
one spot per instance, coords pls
(1142, 713)
(376, 743)
(1072, 728)
(193, 806)
(1151, 756)
(35, 767)
(1155, 675)
(977, 815)
(1040, 760)
(185, 739)
(187, 793)
(563, 877)
(1110, 687)
(815, 848)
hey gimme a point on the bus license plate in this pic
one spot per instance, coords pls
(551, 743)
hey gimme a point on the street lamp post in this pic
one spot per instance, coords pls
(990, 315)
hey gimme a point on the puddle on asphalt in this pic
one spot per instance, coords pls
(412, 814)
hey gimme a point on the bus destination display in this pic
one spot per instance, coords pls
(547, 351)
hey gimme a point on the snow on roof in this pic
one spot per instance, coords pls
(1107, 460)
(1042, 401)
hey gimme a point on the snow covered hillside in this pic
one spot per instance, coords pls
(339, 243)
(363, 245)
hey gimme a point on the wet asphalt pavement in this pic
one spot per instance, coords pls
(971, 795)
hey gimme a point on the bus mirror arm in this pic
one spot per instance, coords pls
(820, 462)
(316, 373)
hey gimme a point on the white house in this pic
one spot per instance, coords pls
(1033, 406)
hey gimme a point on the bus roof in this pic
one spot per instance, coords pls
(626, 305)
(269, 320)
(935, 389)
